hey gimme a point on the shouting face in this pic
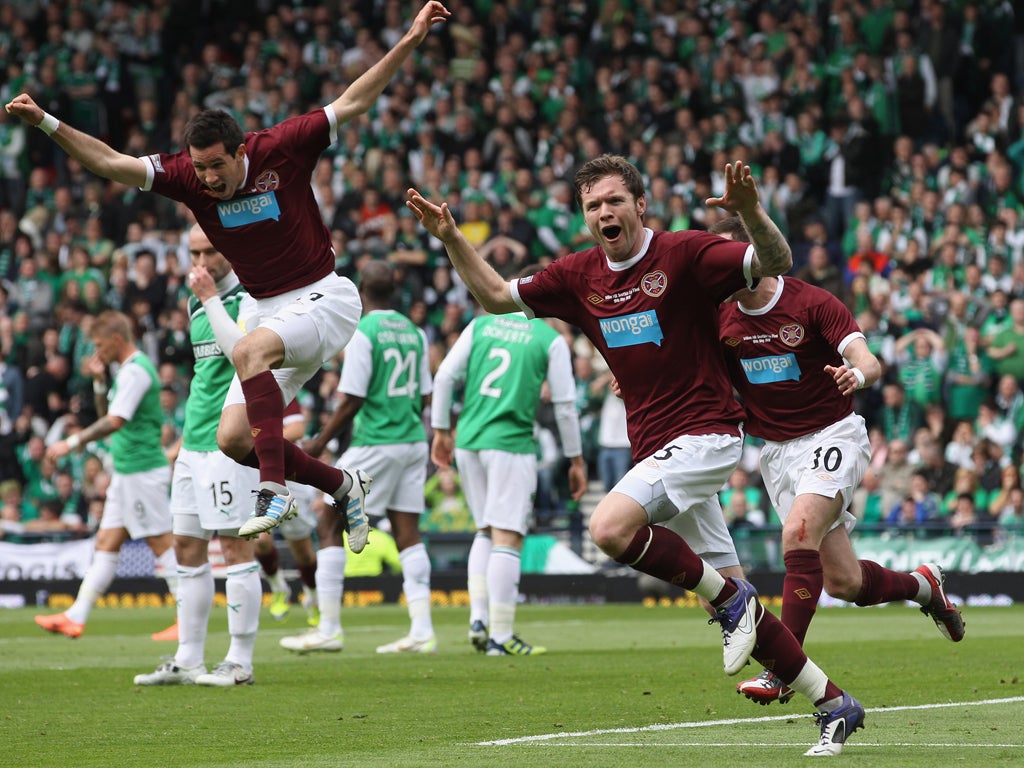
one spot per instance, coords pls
(614, 217)
(222, 174)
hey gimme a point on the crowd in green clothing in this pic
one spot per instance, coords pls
(887, 140)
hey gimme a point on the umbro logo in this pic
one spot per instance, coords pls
(802, 593)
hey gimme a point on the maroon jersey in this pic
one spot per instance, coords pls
(656, 323)
(271, 230)
(777, 357)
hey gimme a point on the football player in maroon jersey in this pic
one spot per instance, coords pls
(251, 194)
(648, 301)
(789, 344)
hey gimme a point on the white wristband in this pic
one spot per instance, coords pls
(74, 441)
(859, 376)
(48, 124)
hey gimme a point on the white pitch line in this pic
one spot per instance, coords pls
(732, 721)
(762, 744)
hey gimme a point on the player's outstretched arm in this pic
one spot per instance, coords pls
(93, 154)
(489, 288)
(772, 254)
(362, 93)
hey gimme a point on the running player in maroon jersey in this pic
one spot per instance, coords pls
(649, 303)
(789, 344)
(251, 194)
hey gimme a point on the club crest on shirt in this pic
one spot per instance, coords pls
(791, 335)
(654, 283)
(267, 181)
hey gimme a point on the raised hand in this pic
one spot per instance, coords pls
(430, 14)
(436, 219)
(741, 193)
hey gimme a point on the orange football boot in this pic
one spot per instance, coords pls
(60, 624)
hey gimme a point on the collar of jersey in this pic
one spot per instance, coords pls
(622, 266)
(227, 283)
(767, 307)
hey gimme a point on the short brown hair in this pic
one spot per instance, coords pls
(731, 227)
(608, 165)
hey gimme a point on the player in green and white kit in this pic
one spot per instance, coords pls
(210, 492)
(136, 504)
(385, 385)
(505, 361)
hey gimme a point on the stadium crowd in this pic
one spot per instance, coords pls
(887, 140)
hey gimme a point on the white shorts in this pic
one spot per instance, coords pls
(315, 323)
(209, 493)
(679, 486)
(304, 523)
(499, 487)
(139, 503)
(399, 472)
(829, 462)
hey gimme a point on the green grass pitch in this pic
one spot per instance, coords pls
(622, 685)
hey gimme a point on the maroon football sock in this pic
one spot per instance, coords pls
(308, 575)
(882, 585)
(659, 552)
(801, 589)
(265, 409)
(269, 561)
(303, 468)
(777, 649)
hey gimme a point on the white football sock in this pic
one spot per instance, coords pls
(244, 592)
(416, 585)
(479, 556)
(195, 600)
(277, 583)
(811, 682)
(330, 581)
(710, 585)
(167, 569)
(310, 600)
(503, 571)
(98, 578)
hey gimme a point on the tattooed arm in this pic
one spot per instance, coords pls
(772, 254)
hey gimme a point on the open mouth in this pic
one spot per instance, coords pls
(611, 232)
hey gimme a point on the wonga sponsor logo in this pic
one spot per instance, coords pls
(630, 330)
(768, 370)
(248, 210)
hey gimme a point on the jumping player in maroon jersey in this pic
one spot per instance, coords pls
(649, 302)
(251, 194)
(789, 344)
